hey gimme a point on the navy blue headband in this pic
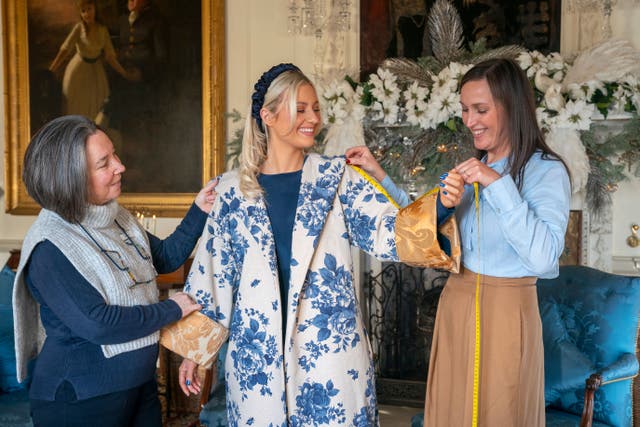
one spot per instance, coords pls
(261, 87)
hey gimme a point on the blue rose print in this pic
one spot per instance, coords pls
(313, 405)
(332, 297)
(254, 354)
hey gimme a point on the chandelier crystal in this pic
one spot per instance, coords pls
(311, 17)
(598, 6)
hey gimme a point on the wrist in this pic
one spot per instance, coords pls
(380, 175)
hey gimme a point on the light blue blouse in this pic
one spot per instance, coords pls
(397, 194)
(521, 232)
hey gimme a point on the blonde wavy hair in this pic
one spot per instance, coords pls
(281, 96)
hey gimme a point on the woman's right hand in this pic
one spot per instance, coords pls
(56, 70)
(361, 156)
(186, 303)
(207, 196)
(188, 377)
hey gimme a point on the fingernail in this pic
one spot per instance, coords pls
(348, 161)
(445, 193)
(188, 382)
(442, 184)
(444, 175)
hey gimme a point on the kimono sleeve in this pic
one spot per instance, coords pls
(369, 216)
(214, 271)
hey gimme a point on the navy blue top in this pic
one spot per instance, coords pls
(281, 193)
(78, 320)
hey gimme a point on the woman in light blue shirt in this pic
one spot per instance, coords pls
(517, 236)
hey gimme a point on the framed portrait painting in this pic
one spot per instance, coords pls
(152, 78)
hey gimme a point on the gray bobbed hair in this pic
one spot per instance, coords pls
(55, 166)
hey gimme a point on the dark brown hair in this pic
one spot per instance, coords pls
(511, 89)
(80, 4)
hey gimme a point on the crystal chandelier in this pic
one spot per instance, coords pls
(311, 17)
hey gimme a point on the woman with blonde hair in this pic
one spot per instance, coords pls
(275, 268)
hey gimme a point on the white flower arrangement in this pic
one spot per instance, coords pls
(411, 115)
(385, 100)
(568, 100)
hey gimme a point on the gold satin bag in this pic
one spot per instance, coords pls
(195, 337)
(417, 236)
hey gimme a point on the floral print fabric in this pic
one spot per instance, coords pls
(317, 369)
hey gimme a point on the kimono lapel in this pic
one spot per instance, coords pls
(259, 226)
(318, 187)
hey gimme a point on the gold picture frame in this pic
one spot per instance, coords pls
(18, 123)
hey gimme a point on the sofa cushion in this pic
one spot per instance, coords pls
(556, 418)
(588, 314)
(8, 381)
(214, 413)
(7, 276)
(570, 366)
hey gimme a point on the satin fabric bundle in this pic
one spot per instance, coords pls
(417, 236)
(195, 337)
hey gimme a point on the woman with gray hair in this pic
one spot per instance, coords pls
(87, 275)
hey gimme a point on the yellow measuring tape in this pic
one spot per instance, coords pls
(381, 189)
(376, 184)
(476, 353)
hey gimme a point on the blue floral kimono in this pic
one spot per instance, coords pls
(324, 373)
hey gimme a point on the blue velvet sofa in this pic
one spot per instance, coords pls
(14, 400)
(590, 329)
(214, 412)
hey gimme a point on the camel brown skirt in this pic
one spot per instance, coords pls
(511, 390)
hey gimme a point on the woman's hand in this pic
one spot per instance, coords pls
(451, 189)
(205, 198)
(56, 70)
(361, 156)
(186, 303)
(473, 170)
(188, 377)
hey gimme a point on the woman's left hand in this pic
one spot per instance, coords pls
(206, 196)
(473, 170)
(188, 377)
(451, 189)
